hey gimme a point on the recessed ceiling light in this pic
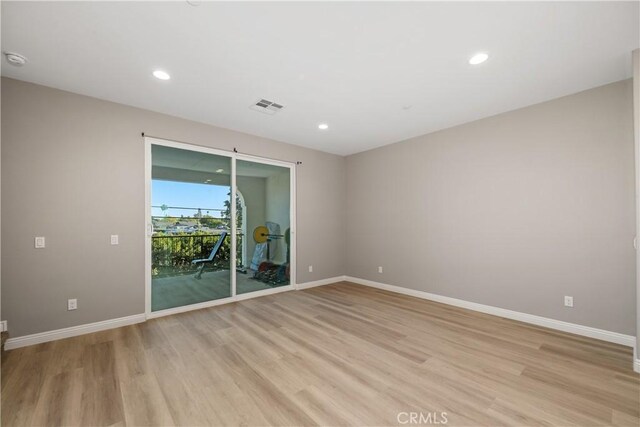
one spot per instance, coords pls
(162, 75)
(15, 59)
(478, 58)
(323, 126)
(219, 170)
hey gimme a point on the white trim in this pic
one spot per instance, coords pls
(293, 228)
(559, 325)
(234, 227)
(635, 55)
(73, 331)
(3, 326)
(321, 282)
(148, 225)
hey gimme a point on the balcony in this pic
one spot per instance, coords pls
(173, 255)
(174, 276)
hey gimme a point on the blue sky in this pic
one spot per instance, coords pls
(184, 194)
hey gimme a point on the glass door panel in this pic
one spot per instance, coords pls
(191, 218)
(263, 226)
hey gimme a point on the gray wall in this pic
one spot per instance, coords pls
(73, 171)
(513, 211)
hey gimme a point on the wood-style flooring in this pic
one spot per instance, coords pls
(341, 354)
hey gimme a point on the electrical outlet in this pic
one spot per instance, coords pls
(72, 304)
(568, 301)
(39, 242)
(311, 269)
(114, 239)
(380, 270)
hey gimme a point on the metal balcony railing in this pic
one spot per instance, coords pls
(172, 255)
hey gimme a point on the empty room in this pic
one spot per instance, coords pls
(323, 213)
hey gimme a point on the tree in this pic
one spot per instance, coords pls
(210, 221)
(226, 214)
(227, 211)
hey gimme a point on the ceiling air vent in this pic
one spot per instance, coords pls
(267, 107)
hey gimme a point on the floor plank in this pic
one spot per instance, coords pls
(336, 355)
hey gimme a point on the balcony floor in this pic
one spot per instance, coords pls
(177, 291)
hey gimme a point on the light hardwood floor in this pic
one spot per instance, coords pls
(335, 355)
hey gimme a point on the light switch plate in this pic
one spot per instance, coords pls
(114, 239)
(39, 242)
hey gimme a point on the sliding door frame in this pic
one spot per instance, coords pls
(292, 221)
(148, 225)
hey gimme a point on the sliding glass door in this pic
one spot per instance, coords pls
(191, 227)
(219, 226)
(266, 193)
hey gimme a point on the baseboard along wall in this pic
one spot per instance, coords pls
(573, 328)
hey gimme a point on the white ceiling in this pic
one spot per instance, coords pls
(355, 66)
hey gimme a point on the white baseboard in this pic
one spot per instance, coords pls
(321, 282)
(73, 331)
(559, 325)
(573, 328)
(636, 365)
